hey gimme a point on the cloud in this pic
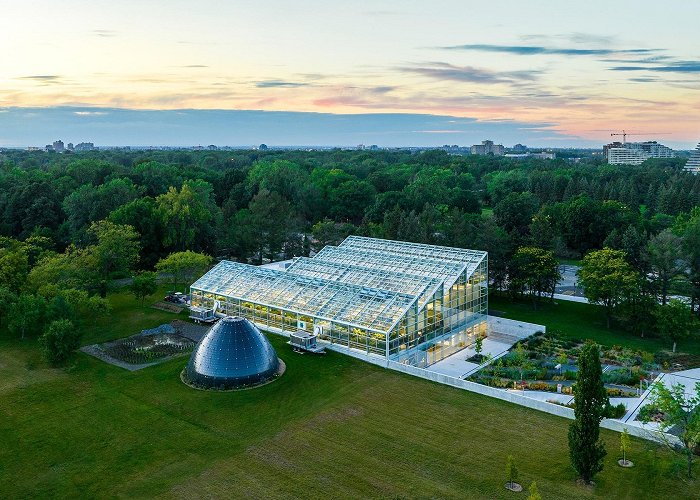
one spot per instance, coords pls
(104, 33)
(471, 74)
(674, 67)
(530, 50)
(266, 84)
(90, 113)
(195, 66)
(41, 78)
(590, 38)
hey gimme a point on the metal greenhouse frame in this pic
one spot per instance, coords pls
(410, 302)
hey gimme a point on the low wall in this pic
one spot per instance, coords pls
(570, 298)
(518, 329)
(511, 397)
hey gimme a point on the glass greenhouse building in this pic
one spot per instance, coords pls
(408, 302)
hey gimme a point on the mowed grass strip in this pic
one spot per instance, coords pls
(331, 426)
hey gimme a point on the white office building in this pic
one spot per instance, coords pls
(488, 148)
(693, 164)
(635, 153)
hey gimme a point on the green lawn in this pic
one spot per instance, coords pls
(129, 317)
(581, 321)
(332, 426)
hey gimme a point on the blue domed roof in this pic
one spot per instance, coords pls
(232, 354)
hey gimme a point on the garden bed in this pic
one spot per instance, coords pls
(140, 349)
(150, 346)
(545, 362)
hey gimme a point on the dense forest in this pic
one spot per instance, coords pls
(77, 221)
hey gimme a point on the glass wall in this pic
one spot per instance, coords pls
(449, 322)
(352, 336)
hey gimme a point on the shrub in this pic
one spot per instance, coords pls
(619, 393)
(59, 341)
(541, 386)
(616, 411)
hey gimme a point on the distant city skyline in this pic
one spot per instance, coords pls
(562, 76)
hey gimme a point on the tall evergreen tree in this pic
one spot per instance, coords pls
(665, 253)
(586, 450)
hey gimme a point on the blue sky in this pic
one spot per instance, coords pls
(538, 72)
(193, 127)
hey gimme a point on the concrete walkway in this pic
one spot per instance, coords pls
(457, 365)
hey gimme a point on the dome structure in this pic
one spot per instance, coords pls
(233, 354)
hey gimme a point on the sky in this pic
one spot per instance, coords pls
(392, 73)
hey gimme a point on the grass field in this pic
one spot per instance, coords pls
(332, 426)
(129, 317)
(581, 321)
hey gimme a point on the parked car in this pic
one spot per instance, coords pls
(176, 298)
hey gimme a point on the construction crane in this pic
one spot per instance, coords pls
(625, 134)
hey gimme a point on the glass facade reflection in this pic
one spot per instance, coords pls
(410, 302)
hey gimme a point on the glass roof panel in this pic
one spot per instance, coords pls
(365, 282)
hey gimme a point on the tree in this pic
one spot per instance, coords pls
(665, 253)
(691, 245)
(607, 279)
(14, 266)
(183, 267)
(511, 472)
(562, 359)
(7, 299)
(117, 248)
(350, 200)
(514, 213)
(26, 315)
(586, 450)
(680, 415)
(89, 203)
(187, 215)
(59, 341)
(534, 492)
(328, 232)
(675, 321)
(143, 285)
(142, 215)
(632, 244)
(494, 240)
(625, 446)
(264, 227)
(478, 344)
(535, 270)
(637, 312)
(75, 268)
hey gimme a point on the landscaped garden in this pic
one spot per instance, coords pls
(547, 362)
